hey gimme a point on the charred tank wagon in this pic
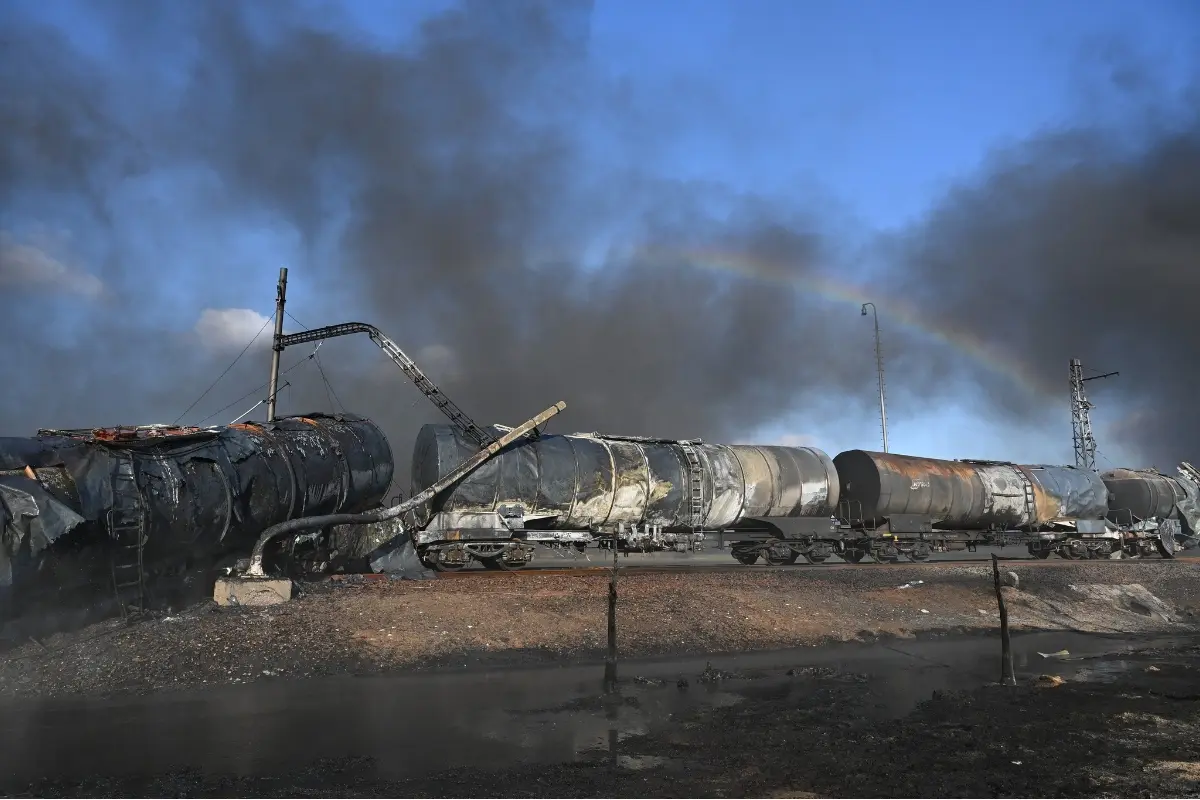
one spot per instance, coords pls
(1153, 511)
(633, 493)
(912, 505)
(891, 506)
(129, 504)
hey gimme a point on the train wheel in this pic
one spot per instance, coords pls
(439, 562)
(747, 558)
(854, 556)
(1073, 550)
(501, 563)
(920, 552)
(779, 554)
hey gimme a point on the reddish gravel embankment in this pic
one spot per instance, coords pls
(376, 626)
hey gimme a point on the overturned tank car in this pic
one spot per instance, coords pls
(627, 492)
(119, 508)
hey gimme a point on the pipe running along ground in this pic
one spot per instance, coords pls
(380, 515)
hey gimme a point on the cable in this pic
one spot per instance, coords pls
(257, 389)
(243, 416)
(328, 386)
(226, 372)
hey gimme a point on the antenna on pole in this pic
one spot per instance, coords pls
(879, 370)
(1081, 420)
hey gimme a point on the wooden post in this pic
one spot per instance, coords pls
(1007, 674)
(610, 662)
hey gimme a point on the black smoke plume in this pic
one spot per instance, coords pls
(487, 196)
(446, 191)
(1083, 244)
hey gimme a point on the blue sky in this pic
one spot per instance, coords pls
(880, 106)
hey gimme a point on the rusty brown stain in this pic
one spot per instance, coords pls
(920, 469)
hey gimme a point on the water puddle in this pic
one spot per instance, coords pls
(420, 723)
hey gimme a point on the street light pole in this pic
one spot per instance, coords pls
(879, 368)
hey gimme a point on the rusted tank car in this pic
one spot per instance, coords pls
(965, 495)
(157, 495)
(623, 487)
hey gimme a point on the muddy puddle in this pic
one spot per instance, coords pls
(416, 724)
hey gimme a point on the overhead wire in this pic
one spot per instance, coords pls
(259, 388)
(226, 372)
(330, 392)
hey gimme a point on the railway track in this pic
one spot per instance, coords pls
(652, 569)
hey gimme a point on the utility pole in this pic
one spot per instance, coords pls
(1081, 420)
(879, 368)
(277, 344)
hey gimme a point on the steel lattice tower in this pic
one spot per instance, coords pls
(1081, 419)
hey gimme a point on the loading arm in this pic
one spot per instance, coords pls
(461, 421)
(462, 470)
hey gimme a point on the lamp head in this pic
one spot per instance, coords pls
(864, 310)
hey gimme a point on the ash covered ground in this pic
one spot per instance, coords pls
(363, 627)
(801, 682)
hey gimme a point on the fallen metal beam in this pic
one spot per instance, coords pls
(308, 523)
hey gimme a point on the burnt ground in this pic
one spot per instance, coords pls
(379, 627)
(383, 626)
(832, 730)
(823, 733)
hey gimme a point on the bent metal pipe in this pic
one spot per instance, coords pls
(295, 526)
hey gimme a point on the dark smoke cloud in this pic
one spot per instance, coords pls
(475, 193)
(462, 193)
(1083, 244)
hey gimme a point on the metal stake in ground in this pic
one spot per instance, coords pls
(610, 662)
(1007, 674)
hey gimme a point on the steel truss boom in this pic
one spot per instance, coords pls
(428, 388)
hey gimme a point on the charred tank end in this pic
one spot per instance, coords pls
(192, 493)
(1141, 494)
(859, 480)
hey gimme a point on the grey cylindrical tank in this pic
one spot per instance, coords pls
(1144, 493)
(966, 495)
(587, 481)
(205, 490)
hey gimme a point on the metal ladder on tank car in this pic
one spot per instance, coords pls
(127, 527)
(696, 480)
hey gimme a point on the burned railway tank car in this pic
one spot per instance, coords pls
(637, 492)
(77, 506)
(899, 504)
(1151, 510)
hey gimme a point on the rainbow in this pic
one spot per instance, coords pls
(891, 309)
